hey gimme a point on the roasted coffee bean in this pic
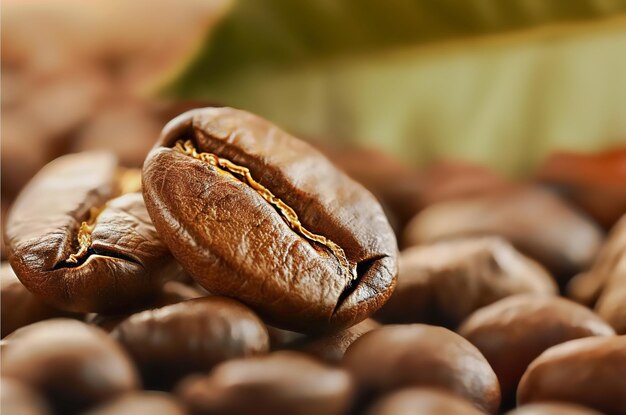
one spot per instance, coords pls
(552, 409)
(80, 238)
(444, 282)
(141, 403)
(422, 401)
(19, 306)
(258, 215)
(587, 287)
(588, 372)
(332, 347)
(512, 332)
(280, 383)
(611, 305)
(172, 292)
(398, 356)
(284, 339)
(18, 399)
(72, 364)
(124, 126)
(535, 221)
(190, 336)
(593, 182)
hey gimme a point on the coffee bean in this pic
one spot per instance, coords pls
(280, 383)
(552, 409)
(80, 238)
(587, 287)
(588, 372)
(535, 221)
(72, 364)
(611, 305)
(190, 336)
(422, 401)
(148, 403)
(444, 282)
(19, 306)
(332, 347)
(593, 182)
(512, 332)
(255, 214)
(397, 356)
(18, 399)
(171, 292)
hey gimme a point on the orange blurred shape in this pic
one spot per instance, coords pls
(596, 183)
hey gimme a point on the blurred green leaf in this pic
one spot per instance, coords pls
(501, 83)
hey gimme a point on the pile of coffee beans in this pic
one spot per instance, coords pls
(244, 271)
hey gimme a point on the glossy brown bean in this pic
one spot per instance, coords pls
(443, 283)
(512, 332)
(422, 401)
(398, 356)
(280, 383)
(190, 336)
(534, 220)
(72, 364)
(255, 214)
(80, 242)
(19, 307)
(588, 372)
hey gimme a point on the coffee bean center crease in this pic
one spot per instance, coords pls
(242, 173)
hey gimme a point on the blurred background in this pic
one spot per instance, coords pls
(420, 100)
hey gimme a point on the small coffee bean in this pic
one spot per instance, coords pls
(587, 287)
(190, 336)
(72, 364)
(255, 214)
(19, 307)
(397, 356)
(18, 399)
(535, 221)
(512, 332)
(552, 409)
(279, 383)
(444, 282)
(422, 401)
(137, 403)
(79, 236)
(611, 305)
(588, 372)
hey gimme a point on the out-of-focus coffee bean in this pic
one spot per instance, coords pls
(422, 401)
(588, 372)
(172, 292)
(512, 332)
(190, 336)
(444, 282)
(18, 399)
(611, 305)
(593, 182)
(398, 356)
(72, 364)
(332, 347)
(587, 287)
(24, 151)
(19, 306)
(395, 185)
(138, 403)
(535, 221)
(284, 339)
(280, 383)
(127, 128)
(453, 179)
(552, 409)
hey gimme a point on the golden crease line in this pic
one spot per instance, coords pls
(290, 216)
